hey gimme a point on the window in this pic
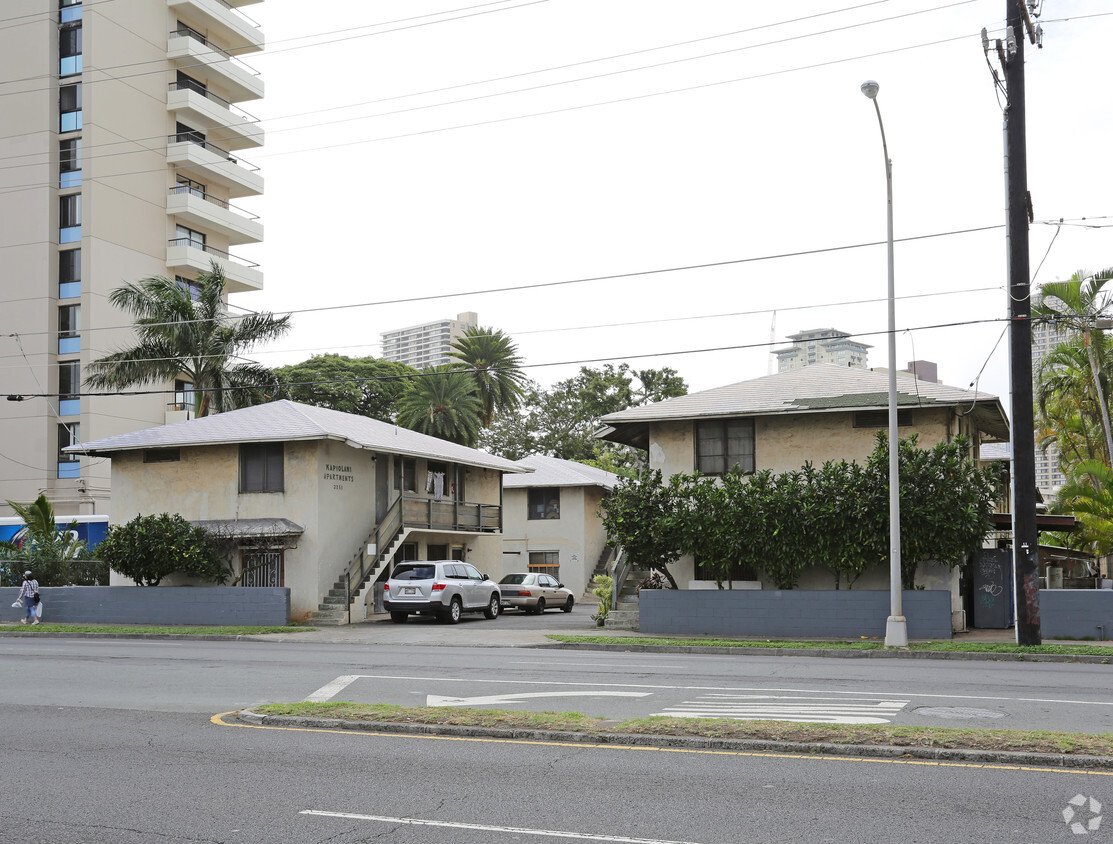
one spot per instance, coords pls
(189, 31)
(436, 552)
(69, 465)
(190, 237)
(186, 82)
(69, 164)
(69, 107)
(183, 396)
(261, 568)
(69, 388)
(189, 186)
(261, 467)
(192, 285)
(545, 562)
(69, 48)
(69, 218)
(69, 11)
(544, 503)
(725, 445)
(69, 329)
(162, 455)
(69, 273)
(405, 474)
(188, 133)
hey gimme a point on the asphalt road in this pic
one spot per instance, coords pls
(121, 741)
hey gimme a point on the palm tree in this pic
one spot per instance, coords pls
(1088, 493)
(1076, 305)
(496, 368)
(195, 339)
(40, 537)
(1067, 400)
(441, 403)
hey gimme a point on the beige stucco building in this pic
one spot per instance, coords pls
(817, 413)
(317, 500)
(552, 522)
(122, 138)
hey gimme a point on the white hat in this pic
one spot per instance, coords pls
(27, 574)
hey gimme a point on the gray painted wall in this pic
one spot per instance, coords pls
(831, 614)
(1076, 613)
(222, 605)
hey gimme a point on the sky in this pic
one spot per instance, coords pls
(679, 184)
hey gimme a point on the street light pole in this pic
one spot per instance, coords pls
(896, 627)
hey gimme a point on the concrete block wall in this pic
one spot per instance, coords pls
(1076, 613)
(176, 605)
(829, 614)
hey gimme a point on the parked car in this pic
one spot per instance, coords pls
(446, 589)
(534, 593)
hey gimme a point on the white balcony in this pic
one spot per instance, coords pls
(231, 29)
(201, 211)
(189, 258)
(211, 65)
(209, 164)
(214, 116)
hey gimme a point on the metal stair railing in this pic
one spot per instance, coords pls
(621, 569)
(361, 567)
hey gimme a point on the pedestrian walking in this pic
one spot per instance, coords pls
(28, 594)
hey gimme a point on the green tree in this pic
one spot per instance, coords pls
(492, 359)
(562, 421)
(1076, 306)
(149, 548)
(365, 386)
(441, 403)
(198, 340)
(1088, 494)
(646, 517)
(55, 555)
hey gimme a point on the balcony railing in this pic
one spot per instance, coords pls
(199, 139)
(430, 514)
(208, 197)
(187, 32)
(236, 111)
(211, 250)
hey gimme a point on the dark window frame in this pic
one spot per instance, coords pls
(725, 431)
(262, 467)
(162, 455)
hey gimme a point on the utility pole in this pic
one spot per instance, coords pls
(1026, 583)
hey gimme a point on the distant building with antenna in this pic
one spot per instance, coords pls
(821, 345)
(429, 344)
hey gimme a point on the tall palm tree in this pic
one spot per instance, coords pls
(195, 339)
(441, 403)
(496, 369)
(1067, 399)
(1076, 305)
(1088, 493)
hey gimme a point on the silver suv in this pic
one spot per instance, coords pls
(446, 588)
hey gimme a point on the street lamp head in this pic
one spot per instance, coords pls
(870, 88)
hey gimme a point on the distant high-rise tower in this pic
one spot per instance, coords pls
(821, 345)
(1045, 337)
(421, 346)
(120, 149)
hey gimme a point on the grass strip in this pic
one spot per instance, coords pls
(194, 631)
(1028, 741)
(869, 645)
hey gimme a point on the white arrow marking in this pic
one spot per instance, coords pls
(437, 700)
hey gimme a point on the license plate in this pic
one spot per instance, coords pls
(409, 590)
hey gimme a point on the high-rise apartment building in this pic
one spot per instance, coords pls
(821, 345)
(1049, 476)
(120, 159)
(421, 346)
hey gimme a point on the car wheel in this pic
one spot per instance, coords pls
(568, 604)
(452, 614)
(540, 606)
(493, 607)
(399, 617)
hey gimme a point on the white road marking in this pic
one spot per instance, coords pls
(812, 710)
(330, 690)
(512, 697)
(513, 830)
(884, 695)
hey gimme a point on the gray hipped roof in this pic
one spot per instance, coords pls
(819, 388)
(287, 421)
(552, 471)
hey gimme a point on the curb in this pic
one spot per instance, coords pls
(985, 757)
